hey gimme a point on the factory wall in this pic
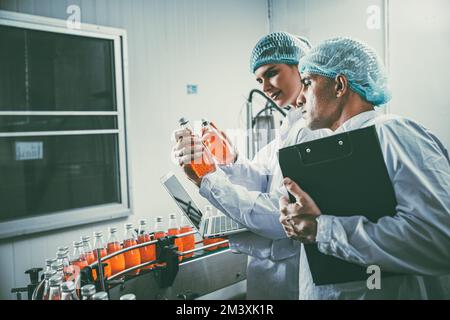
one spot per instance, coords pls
(171, 43)
(411, 36)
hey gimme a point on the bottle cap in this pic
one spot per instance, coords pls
(101, 295)
(55, 280)
(57, 266)
(49, 262)
(205, 122)
(172, 216)
(98, 234)
(129, 296)
(77, 244)
(142, 222)
(128, 226)
(87, 290)
(183, 121)
(48, 274)
(112, 229)
(159, 219)
(85, 239)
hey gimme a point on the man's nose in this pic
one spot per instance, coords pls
(301, 100)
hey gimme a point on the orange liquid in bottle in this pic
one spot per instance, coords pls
(147, 252)
(107, 270)
(188, 241)
(218, 145)
(210, 241)
(225, 245)
(132, 257)
(90, 257)
(178, 241)
(117, 262)
(201, 167)
(80, 263)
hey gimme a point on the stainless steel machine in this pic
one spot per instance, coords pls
(219, 273)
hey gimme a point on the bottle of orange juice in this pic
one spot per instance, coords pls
(99, 243)
(201, 166)
(174, 230)
(117, 262)
(86, 240)
(132, 257)
(217, 143)
(188, 241)
(79, 257)
(147, 252)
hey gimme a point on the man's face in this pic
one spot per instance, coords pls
(318, 97)
(280, 82)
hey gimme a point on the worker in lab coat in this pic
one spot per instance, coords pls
(242, 190)
(343, 79)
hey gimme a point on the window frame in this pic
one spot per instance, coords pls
(74, 217)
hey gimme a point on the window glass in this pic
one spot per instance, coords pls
(42, 175)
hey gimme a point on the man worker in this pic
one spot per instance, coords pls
(343, 80)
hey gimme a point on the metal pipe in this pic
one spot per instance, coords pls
(100, 269)
(203, 247)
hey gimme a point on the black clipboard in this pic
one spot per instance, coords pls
(345, 175)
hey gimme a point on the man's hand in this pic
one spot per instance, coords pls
(299, 219)
(190, 148)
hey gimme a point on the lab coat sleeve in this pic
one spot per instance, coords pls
(417, 238)
(257, 211)
(252, 174)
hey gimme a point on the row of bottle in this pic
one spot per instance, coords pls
(215, 142)
(56, 289)
(84, 254)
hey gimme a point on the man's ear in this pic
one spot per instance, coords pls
(341, 85)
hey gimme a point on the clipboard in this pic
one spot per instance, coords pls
(346, 175)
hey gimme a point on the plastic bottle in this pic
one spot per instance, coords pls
(99, 243)
(209, 213)
(55, 287)
(132, 257)
(173, 230)
(68, 291)
(147, 252)
(217, 143)
(201, 166)
(159, 232)
(117, 262)
(47, 275)
(87, 292)
(188, 241)
(79, 257)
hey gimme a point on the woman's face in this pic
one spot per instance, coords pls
(280, 82)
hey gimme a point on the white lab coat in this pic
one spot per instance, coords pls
(248, 192)
(416, 241)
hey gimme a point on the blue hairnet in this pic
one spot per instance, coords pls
(278, 47)
(358, 62)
